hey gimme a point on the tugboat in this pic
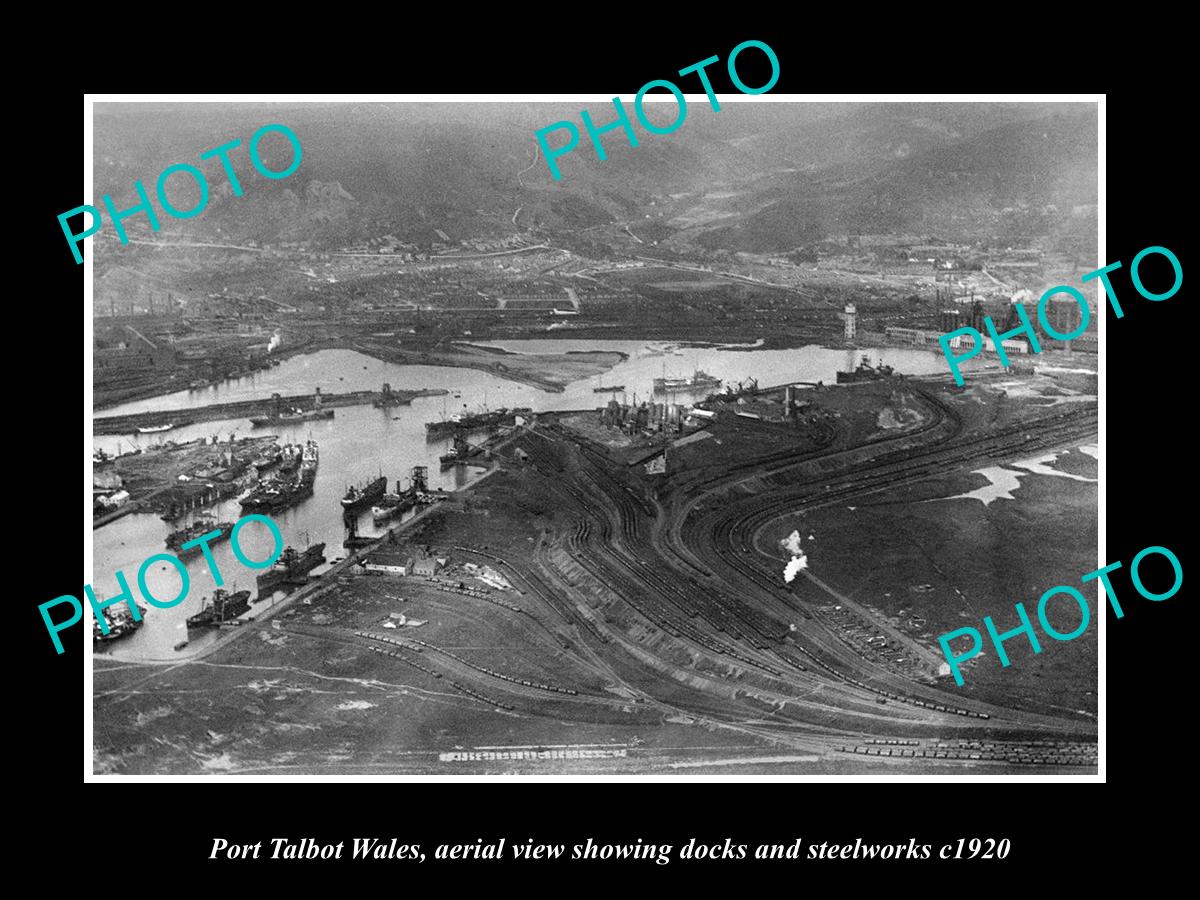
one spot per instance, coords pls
(292, 567)
(360, 497)
(224, 608)
(121, 623)
(202, 526)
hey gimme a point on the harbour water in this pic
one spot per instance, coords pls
(361, 442)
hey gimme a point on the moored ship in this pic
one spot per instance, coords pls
(700, 380)
(269, 457)
(223, 608)
(291, 417)
(392, 506)
(359, 497)
(120, 621)
(389, 398)
(199, 528)
(865, 372)
(278, 493)
(282, 491)
(474, 421)
(281, 416)
(291, 567)
(289, 457)
(459, 452)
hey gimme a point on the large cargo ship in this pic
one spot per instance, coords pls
(461, 451)
(278, 493)
(474, 421)
(268, 458)
(282, 491)
(281, 416)
(199, 528)
(289, 457)
(392, 506)
(224, 607)
(120, 621)
(389, 398)
(700, 380)
(865, 372)
(290, 417)
(291, 568)
(359, 497)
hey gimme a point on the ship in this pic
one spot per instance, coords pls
(309, 457)
(475, 421)
(358, 498)
(460, 452)
(613, 388)
(392, 506)
(290, 457)
(865, 372)
(120, 621)
(269, 457)
(154, 429)
(290, 417)
(700, 380)
(223, 608)
(278, 493)
(199, 528)
(291, 568)
(283, 491)
(389, 398)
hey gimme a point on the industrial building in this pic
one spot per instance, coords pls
(388, 562)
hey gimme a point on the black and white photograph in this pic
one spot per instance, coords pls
(476, 437)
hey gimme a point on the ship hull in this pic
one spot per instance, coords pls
(176, 546)
(369, 495)
(312, 415)
(232, 607)
(301, 491)
(298, 569)
(381, 514)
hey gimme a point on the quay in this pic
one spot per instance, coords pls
(240, 409)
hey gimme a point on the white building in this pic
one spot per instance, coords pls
(388, 562)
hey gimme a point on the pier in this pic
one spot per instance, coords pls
(241, 409)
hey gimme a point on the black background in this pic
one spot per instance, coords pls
(1062, 830)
